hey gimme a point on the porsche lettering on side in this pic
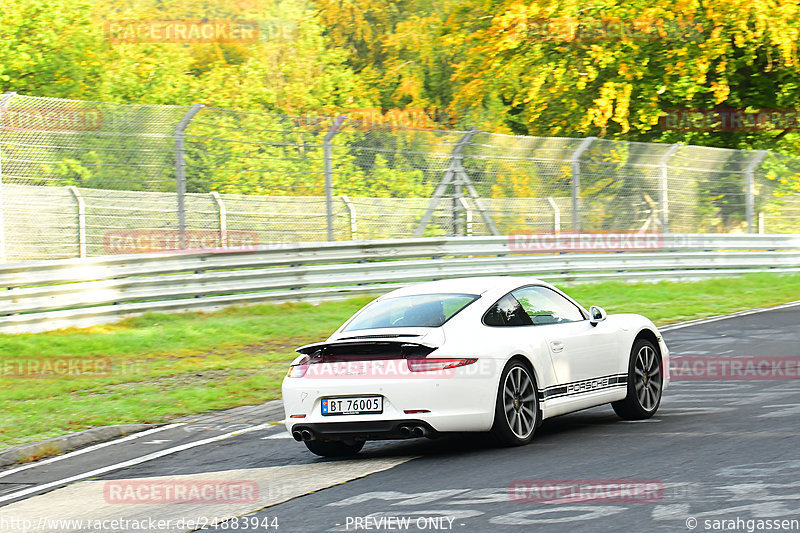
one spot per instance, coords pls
(497, 354)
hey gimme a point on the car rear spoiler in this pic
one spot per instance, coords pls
(400, 348)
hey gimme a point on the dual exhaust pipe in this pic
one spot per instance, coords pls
(413, 431)
(303, 435)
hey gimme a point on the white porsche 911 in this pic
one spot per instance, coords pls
(496, 354)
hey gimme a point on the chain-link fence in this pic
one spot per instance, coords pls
(89, 178)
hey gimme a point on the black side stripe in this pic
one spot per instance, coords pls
(583, 386)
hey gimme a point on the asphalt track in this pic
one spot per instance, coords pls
(717, 450)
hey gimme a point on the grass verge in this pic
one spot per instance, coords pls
(168, 365)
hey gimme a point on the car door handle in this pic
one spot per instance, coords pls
(557, 346)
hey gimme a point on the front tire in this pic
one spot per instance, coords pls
(645, 382)
(516, 413)
(338, 448)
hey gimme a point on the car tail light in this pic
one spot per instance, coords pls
(432, 364)
(299, 369)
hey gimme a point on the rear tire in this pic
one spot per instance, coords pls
(339, 448)
(516, 413)
(645, 383)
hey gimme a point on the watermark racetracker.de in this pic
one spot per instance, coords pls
(606, 241)
(392, 368)
(69, 118)
(732, 368)
(594, 29)
(586, 490)
(585, 242)
(141, 241)
(182, 31)
(143, 524)
(729, 120)
(57, 367)
(159, 492)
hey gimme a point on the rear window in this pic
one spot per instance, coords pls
(417, 311)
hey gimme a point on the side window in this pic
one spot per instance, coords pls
(545, 306)
(507, 312)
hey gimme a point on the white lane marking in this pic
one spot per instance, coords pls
(732, 315)
(157, 441)
(131, 462)
(784, 410)
(281, 435)
(90, 449)
(87, 500)
(556, 515)
(225, 427)
(697, 410)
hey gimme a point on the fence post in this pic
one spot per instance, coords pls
(576, 182)
(556, 215)
(223, 219)
(353, 222)
(664, 186)
(4, 99)
(468, 214)
(751, 190)
(326, 145)
(180, 169)
(81, 220)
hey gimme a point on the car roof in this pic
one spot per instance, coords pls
(472, 285)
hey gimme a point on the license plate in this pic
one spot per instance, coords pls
(357, 405)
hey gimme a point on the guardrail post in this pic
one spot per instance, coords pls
(353, 222)
(326, 145)
(576, 182)
(223, 219)
(456, 214)
(81, 220)
(4, 100)
(180, 169)
(664, 186)
(751, 190)
(556, 215)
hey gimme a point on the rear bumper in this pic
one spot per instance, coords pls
(464, 400)
(372, 430)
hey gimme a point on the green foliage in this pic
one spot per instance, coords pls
(51, 48)
(70, 49)
(564, 68)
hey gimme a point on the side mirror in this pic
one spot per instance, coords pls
(596, 315)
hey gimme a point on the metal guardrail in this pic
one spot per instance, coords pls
(42, 296)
